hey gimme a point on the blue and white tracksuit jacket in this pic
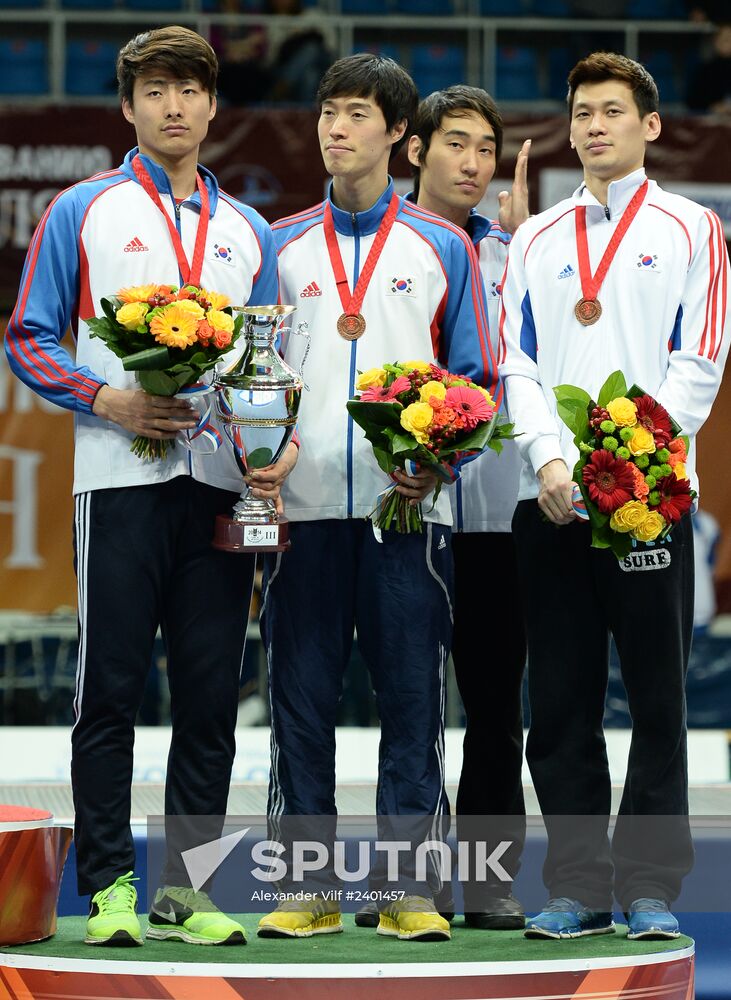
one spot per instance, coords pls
(424, 302)
(96, 237)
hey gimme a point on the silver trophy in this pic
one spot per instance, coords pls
(257, 401)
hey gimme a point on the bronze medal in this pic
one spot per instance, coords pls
(351, 326)
(587, 311)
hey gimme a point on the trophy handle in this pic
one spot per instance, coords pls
(303, 330)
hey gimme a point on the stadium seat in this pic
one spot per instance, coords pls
(658, 10)
(434, 67)
(560, 62)
(89, 4)
(660, 63)
(22, 3)
(90, 68)
(516, 73)
(153, 4)
(382, 49)
(551, 8)
(433, 7)
(504, 8)
(365, 6)
(25, 66)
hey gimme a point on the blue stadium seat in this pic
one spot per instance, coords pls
(560, 62)
(504, 8)
(551, 8)
(153, 4)
(661, 65)
(90, 68)
(382, 49)
(22, 3)
(365, 6)
(657, 10)
(434, 67)
(25, 66)
(434, 7)
(89, 4)
(516, 73)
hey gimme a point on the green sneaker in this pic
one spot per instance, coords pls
(113, 915)
(179, 914)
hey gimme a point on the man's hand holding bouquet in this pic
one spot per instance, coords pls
(419, 416)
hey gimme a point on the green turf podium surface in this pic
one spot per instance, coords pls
(355, 965)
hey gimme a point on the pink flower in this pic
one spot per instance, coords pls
(385, 393)
(470, 404)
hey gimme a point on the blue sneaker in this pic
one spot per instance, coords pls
(568, 918)
(651, 918)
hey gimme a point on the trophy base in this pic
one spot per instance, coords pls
(237, 536)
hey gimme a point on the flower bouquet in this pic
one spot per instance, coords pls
(417, 414)
(631, 467)
(170, 336)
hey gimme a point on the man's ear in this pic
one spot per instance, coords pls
(413, 150)
(128, 111)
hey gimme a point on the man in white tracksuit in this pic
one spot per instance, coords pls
(645, 292)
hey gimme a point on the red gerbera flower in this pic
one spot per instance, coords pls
(610, 480)
(470, 404)
(436, 374)
(385, 393)
(655, 418)
(675, 498)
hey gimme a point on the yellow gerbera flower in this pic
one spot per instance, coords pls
(217, 299)
(137, 293)
(174, 327)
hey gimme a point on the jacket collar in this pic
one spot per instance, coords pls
(363, 223)
(478, 226)
(619, 193)
(162, 182)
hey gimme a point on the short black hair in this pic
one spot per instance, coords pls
(455, 101)
(370, 75)
(601, 66)
(181, 51)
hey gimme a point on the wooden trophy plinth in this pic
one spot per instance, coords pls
(237, 536)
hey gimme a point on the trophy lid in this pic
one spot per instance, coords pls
(272, 310)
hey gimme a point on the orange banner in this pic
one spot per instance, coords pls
(36, 507)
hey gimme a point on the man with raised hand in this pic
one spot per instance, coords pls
(454, 152)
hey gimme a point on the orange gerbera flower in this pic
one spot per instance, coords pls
(174, 327)
(216, 300)
(137, 293)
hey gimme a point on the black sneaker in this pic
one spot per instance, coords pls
(500, 911)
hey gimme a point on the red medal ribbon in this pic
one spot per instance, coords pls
(190, 274)
(590, 285)
(352, 303)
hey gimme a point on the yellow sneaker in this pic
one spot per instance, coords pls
(298, 918)
(413, 918)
